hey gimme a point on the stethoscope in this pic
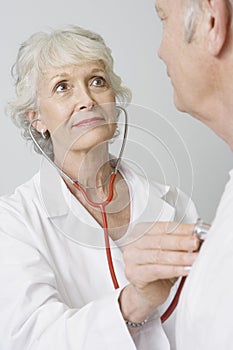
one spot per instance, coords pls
(199, 228)
(100, 205)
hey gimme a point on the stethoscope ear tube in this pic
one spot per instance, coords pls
(43, 152)
(121, 109)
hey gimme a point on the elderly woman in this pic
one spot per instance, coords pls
(63, 281)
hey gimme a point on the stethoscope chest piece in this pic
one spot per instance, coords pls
(201, 229)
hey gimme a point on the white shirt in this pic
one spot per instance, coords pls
(56, 290)
(204, 316)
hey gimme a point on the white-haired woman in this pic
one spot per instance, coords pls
(61, 288)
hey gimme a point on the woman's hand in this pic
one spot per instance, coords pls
(157, 255)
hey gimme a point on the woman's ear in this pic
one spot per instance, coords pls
(218, 16)
(39, 124)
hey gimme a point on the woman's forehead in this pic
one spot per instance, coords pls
(67, 69)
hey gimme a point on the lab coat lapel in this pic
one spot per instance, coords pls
(149, 205)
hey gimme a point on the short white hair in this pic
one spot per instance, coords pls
(58, 47)
(192, 10)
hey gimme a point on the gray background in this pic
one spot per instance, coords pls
(167, 139)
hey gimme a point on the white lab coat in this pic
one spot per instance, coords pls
(56, 291)
(204, 315)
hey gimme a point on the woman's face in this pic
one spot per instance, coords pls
(77, 106)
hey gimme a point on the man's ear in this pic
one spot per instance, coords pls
(38, 125)
(218, 15)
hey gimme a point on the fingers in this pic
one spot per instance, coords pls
(146, 266)
(168, 242)
(157, 254)
(146, 274)
(162, 257)
(157, 228)
(158, 235)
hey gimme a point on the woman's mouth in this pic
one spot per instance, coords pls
(88, 122)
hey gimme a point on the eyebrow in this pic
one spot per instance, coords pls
(96, 70)
(60, 75)
(64, 75)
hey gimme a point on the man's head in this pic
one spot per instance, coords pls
(197, 49)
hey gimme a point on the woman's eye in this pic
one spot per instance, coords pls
(62, 86)
(99, 82)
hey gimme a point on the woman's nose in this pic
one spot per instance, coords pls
(84, 100)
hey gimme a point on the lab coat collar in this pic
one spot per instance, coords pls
(52, 189)
(73, 220)
(56, 203)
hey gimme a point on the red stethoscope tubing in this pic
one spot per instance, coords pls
(174, 301)
(102, 206)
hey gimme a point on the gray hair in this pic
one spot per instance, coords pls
(70, 45)
(193, 10)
